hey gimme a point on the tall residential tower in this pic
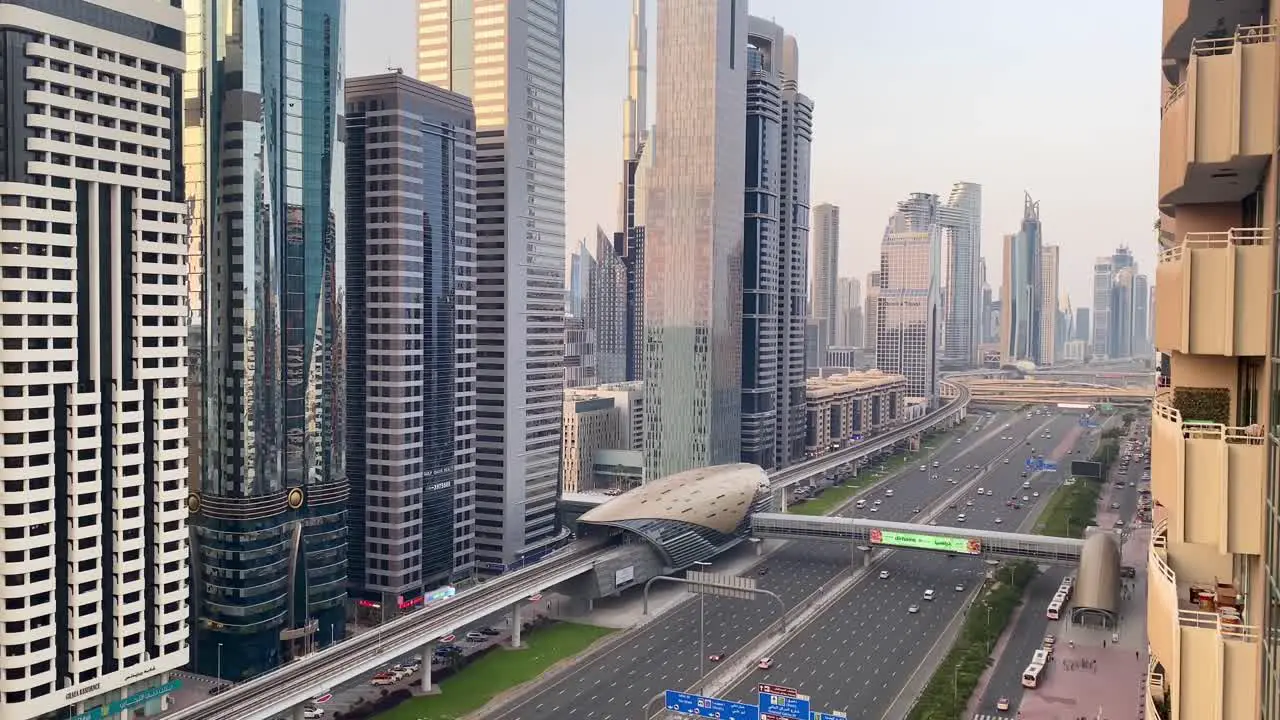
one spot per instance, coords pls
(637, 147)
(508, 57)
(263, 142)
(910, 303)
(93, 358)
(1022, 292)
(961, 221)
(826, 270)
(693, 239)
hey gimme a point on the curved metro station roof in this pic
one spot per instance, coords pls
(692, 515)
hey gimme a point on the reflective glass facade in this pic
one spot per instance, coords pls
(410, 181)
(760, 271)
(908, 308)
(1022, 298)
(263, 138)
(693, 239)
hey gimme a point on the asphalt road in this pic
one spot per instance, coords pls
(858, 656)
(620, 682)
(1032, 624)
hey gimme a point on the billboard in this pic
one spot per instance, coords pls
(921, 541)
(1081, 468)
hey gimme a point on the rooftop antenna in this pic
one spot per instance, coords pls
(395, 69)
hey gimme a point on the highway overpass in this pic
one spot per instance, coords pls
(1031, 392)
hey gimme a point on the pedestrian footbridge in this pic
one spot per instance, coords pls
(913, 536)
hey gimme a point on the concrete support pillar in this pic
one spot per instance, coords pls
(428, 654)
(299, 712)
(782, 500)
(759, 547)
(516, 626)
(866, 559)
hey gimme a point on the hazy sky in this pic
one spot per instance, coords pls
(1057, 98)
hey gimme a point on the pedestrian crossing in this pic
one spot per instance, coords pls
(985, 716)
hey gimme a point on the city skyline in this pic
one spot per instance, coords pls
(980, 142)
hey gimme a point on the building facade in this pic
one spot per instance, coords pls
(1022, 294)
(269, 496)
(93, 359)
(628, 241)
(1081, 328)
(871, 314)
(1050, 339)
(603, 437)
(848, 408)
(826, 271)
(960, 219)
(909, 306)
(761, 273)
(410, 229)
(508, 57)
(849, 319)
(1215, 449)
(605, 310)
(793, 256)
(1120, 317)
(693, 239)
(1141, 342)
(1101, 328)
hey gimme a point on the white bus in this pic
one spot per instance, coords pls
(1055, 608)
(1040, 657)
(1031, 676)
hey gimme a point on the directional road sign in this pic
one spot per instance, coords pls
(783, 703)
(722, 585)
(1048, 466)
(709, 707)
(833, 715)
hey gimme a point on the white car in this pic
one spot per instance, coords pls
(1006, 461)
(998, 521)
(1035, 494)
(474, 636)
(959, 588)
(884, 574)
(312, 713)
(913, 608)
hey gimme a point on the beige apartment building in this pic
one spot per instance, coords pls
(841, 408)
(602, 426)
(1213, 599)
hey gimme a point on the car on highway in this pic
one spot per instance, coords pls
(1006, 461)
(1035, 494)
(475, 636)
(312, 713)
(913, 609)
(990, 493)
(959, 588)
(928, 594)
(968, 503)
(382, 679)
(916, 511)
(1002, 704)
(960, 517)
(765, 663)
(888, 493)
(715, 657)
(884, 574)
(1026, 499)
(998, 521)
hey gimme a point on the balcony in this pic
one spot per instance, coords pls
(1218, 128)
(1212, 290)
(1210, 659)
(1185, 20)
(1209, 480)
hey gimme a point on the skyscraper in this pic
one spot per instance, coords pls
(693, 239)
(849, 332)
(605, 311)
(579, 271)
(410, 284)
(1021, 296)
(871, 323)
(826, 268)
(508, 56)
(263, 139)
(760, 243)
(1141, 342)
(961, 222)
(1101, 338)
(1050, 342)
(910, 300)
(793, 257)
(93, 360)
(1082, 330)
(1121, 317)
(637, 156)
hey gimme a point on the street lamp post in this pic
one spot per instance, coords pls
(219, 663)
(702, 636)
(955, 684)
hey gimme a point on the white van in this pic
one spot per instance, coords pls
(928, 594)
(861, 504)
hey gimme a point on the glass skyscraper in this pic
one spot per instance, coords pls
(264, 153)
(909, 305)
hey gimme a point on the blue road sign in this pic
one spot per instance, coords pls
(780, 703)
(709, 707)
(837, 715)
(1049, 466)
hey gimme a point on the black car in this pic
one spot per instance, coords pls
(488, 631)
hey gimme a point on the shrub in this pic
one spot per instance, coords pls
(948, 691)
(1203, 404)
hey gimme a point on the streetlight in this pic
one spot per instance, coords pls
(702, 626)
(219, 663)
(955, 685)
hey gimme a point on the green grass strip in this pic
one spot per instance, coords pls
(498, 671)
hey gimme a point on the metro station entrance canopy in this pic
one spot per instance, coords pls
(913, 536)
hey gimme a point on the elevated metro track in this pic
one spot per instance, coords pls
(288, 688)
(1045, 391)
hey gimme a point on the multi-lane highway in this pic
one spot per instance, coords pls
(1032, 624)
(664, 655)
(858, 655)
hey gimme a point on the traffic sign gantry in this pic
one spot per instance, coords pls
(709, 707)
(778, 702)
